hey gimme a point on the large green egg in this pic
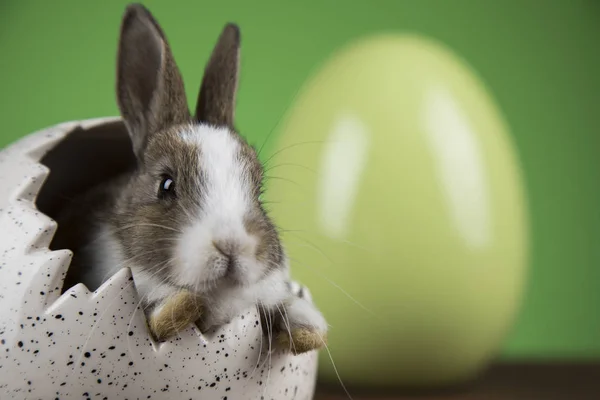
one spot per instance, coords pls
(400, 199)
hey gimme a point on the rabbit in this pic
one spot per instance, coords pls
(188, 219)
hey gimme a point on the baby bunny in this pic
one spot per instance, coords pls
(188, 220)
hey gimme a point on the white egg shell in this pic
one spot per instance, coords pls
(95, 345)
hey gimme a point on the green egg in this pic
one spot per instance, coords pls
(401, 203)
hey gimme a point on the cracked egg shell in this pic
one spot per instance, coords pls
(95, 344)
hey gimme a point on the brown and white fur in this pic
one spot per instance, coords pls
(188, 220)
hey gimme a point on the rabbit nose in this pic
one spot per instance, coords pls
(227, 249)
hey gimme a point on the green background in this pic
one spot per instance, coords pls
(541, 61)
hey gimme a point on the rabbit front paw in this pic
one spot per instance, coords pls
(174, 314)
(302, 327)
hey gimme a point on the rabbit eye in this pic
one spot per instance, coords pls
(167, 187)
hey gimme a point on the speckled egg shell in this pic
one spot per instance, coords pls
(96, 345)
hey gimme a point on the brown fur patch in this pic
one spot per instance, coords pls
(147, 225)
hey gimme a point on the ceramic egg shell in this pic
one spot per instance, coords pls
(96, 345)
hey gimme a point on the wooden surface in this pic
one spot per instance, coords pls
(504, 382)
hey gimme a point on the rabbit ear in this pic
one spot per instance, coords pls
(150, 90)
(216, 101)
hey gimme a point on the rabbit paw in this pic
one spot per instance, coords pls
(301, 327)
(174, 314)
(301, 340)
